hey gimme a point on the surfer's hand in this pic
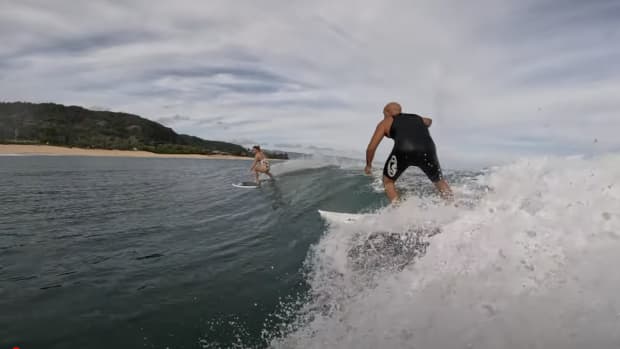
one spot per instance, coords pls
(368, 170)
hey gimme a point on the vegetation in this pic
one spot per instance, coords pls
(73, 126)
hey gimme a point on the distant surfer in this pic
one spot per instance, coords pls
(413, 146)
(261, 163)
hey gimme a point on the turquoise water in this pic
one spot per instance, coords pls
(114, 252)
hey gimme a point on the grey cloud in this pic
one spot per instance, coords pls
(212, 120)
(317, 104)
(251, 88)
(242, 122)
(254, 74)
(252, 81)
(147, 91)
(560, 42)
(84, 43)
(547, 21)
(224, 124)
(338, 30)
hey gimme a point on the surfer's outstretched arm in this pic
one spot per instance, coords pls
(376, 138)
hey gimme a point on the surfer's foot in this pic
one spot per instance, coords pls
(396, 202)
(444, 191)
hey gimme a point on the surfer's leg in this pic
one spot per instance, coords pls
(390, 189)
(429, 163)
(444, 190)
(394, 167)
(263, 169)
(268, 172)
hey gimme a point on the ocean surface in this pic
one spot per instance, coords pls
(165, 253)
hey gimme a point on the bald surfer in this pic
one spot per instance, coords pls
(413, 146)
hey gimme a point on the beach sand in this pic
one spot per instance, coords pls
(20, 149)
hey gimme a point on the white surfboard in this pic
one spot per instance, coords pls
(247, 185)
(341, 217)
(347, 218)
(251, 184)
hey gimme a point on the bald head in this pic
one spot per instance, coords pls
(392, 109)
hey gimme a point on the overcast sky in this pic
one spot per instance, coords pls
(501, 79)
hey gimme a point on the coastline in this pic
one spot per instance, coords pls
(49, 150)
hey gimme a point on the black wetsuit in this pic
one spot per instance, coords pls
(413, 146)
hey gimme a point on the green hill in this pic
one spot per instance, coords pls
(56, 124)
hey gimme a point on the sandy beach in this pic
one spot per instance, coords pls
(19, 149)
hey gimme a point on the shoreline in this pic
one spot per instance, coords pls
(51, 150)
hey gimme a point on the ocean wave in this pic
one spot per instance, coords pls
(522, 261)
(313, 163)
